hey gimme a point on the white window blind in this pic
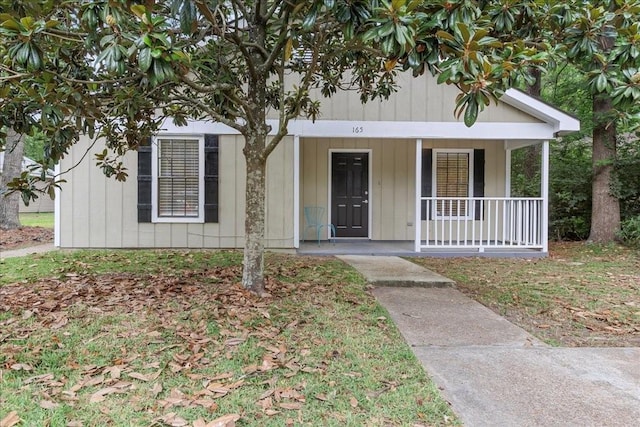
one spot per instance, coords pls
(178, 177)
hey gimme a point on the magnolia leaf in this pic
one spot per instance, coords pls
(144, 59)
(10, 420)
(471, 112)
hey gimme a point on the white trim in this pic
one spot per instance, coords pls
(369, 152)
(154, 179)
(296, 191)
(562, 122)
(387, 129)
(434, 180)
(544, 193)
(57, 205)
(418, 208)
(507, 173)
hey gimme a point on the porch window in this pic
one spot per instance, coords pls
(455, 173)
(452, 180)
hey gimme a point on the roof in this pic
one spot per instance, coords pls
(563, 122)
(27, 164)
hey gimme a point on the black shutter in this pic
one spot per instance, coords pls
(427, 185)
(211, 167)
(144, 181)
(478, 178)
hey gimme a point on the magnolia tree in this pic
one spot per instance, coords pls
(132, 64)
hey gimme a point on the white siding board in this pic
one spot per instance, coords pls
(195, 235)
(417, 99)
(114, 209)
(80, 207)
(178, 235)
(130, 228)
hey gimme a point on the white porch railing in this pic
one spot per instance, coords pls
(482, 222)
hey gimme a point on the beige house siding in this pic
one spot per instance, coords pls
(99, 212)
(417, 99)
(392, 175)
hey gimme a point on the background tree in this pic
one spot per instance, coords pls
(131, 65)
(602, 41)
(11, 168)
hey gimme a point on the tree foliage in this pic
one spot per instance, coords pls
(118, 68)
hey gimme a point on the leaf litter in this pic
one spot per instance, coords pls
(581, 295)
(181, 324)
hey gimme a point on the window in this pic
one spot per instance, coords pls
(178, 179)
(454, 173)
(452, 180)
(179, 172)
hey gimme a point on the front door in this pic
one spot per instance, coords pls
(350, 194)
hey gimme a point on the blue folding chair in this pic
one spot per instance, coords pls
(314, 217)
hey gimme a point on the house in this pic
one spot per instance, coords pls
(43, 203)
(401, 171)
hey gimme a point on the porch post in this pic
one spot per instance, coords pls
(544, 192)
(507, 173)
(418, 217)
(56, 210)
(296, 191)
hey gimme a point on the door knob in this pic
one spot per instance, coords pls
(365, 201)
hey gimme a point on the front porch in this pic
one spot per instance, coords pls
(405, 248)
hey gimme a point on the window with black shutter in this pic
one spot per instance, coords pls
(452, 180)
(176, 179)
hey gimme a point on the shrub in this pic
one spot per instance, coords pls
(630, 231)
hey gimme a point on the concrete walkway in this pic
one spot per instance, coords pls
(26, 251)
(496, 374)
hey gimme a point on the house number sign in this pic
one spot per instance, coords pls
(357, 129)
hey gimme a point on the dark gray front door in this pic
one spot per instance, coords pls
(350, 194)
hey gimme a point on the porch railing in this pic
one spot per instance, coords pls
(481, 222)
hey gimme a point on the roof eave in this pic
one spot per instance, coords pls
(562, 122)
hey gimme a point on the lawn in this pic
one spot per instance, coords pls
(44, 219)
(169, 338)
(581, 295)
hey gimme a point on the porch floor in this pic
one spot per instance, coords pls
(404, 248)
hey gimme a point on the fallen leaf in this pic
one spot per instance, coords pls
(99, 395)
(48, 404)
(10, 420)
(293, 406)
(21, 367)
(156, 389)
(173, 420)
(225, 421)
(138, 376)
(353, 402)
(93, 381)
(234, 341)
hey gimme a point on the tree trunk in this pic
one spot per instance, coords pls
(10, 203)
(605, 209)
(255, 194)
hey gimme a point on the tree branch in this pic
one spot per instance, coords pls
(211, 112)
(206, 89)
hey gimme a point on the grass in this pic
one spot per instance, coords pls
(166, 337)
(581, 295)
(44, 219)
